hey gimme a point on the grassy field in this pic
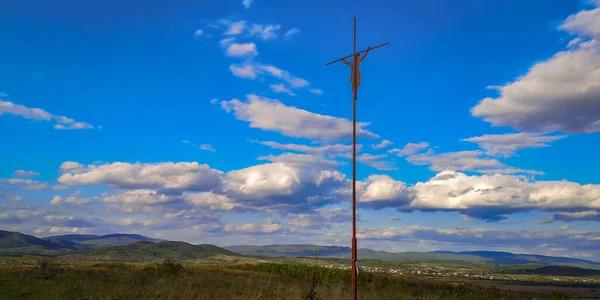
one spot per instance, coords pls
(43, 279)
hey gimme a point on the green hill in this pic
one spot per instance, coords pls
(148, 251)
(108, 240)
(13, 240)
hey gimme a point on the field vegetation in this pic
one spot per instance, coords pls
(169, 279)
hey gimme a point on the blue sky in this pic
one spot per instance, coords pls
(217, 122)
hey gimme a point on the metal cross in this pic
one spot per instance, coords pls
(355, 79)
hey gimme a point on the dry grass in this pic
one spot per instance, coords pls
(74, 280)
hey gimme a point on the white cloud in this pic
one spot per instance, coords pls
(301, 160)
(409, 149)
(2, 94)
(207, 147)
(74, 125)
(508, 144)
(226, 41)
(247, 3)
(268, 227)
(27, 183)
(250, 71)
(243, 71)
(291, 184)
(584, 241)
(241, 50)
(316, 91)
(212, 201)
(331, 150)
(234, 28)
(7, 107)
(272, 115)
(294, 82)
(510, 170)
(168, 175)
(578, 216)
(290, 33)
(379, 162)
(492, 196)
(23, 173)
(56, 200)
(199, 32)
(383, 144)
(317, 219)
(281, 88)
(558, 94)
(265, 32)
(458, 161)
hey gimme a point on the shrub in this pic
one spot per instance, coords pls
(557, 295)
(170, 267)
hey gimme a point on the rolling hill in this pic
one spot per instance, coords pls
(481, 257)
(149, 251)
(19, 244)
(116, 239)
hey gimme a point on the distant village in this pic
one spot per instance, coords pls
(439, 271)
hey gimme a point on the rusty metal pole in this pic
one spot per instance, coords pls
(354, 252)
(354, 66)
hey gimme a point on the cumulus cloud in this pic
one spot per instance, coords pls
(167, 175)
(558, 94)
(508, 144)
(493, 197)
(242, 50)
(287, 186)
(23, 173)
(272, 115)
(63, 122)
(409, 149)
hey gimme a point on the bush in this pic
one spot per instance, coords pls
(170, 267)
(557, 295)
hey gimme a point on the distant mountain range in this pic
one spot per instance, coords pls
(111, 247)
(135, 247)
(115, 239)
(479, 257)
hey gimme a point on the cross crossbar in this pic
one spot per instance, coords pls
(384, 44)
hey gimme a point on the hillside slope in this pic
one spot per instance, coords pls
(148, 251)
(108, 240)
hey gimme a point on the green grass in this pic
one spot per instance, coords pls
(28, 279)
